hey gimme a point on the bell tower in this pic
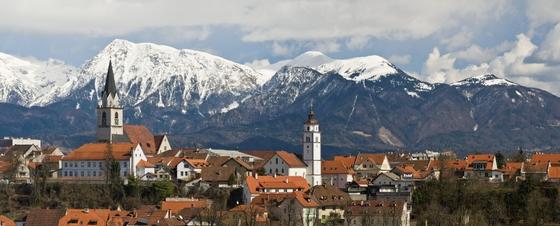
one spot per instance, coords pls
(312, 149)
(109, 111)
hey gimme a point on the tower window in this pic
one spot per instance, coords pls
(104, 119)
(307, 139)
(116, 118)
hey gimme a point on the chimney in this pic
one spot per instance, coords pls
(286, 180)
(86, 210)
(257, 176)
(274, 175)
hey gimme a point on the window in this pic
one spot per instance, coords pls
(307, 139)
(82, 173)
(282, 170)
(100, 165)
(65, 164)
(104, 119)
(65, 173)
(88, 164)
(116, 118)
(276, 160)
(94, 173)
(70, 173)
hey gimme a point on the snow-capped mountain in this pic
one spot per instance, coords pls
(28, 81)
(363, 103)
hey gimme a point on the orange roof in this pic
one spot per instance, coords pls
(167, 161)
(98, 151)
(544, 158)
(554, 172)
(177, 206)
(145, 164)
(513, 166)
(536, 167)
(291, 159)
(456, 164)
(139, 134)
(88, 216)
(52, 158)
(276, 198)
(5, 221)
(480, 158)
(276, 182)
(197, 163)
(334, 167)
(374, 157)
(348, 161)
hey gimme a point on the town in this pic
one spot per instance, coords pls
(130, 176)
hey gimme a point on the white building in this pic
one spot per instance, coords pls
(286, 164)
(88, 162)
(109, 111)
(337, 174)
(7, 142)
(312, 149)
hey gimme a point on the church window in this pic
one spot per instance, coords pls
(116, 118)
(104, 119)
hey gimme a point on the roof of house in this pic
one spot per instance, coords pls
(89, 216)
(290, 159)
(480, 158)
(553, 172)
(241, 163)
(347, 160)
(391, 176)
(5, 221)
(170, 162)
(145, 164)
(409, 169)
(276, 182)
(139, 134)
(265, 155)
(49, 150)
(99, 151)
(535, 167)
(158, 139)
(335, 167)
(545, 157)
(459, 165)
(177, 205)
(327, 195)
(40, 217)
(197, 163)
(217, 173)
(189, 153)
(376, 158)
(276, 199)
(217, 160)
(513, 165)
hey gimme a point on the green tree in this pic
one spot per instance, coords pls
(163, 189)
(500, 160)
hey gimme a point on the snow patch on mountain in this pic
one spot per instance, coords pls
(28, 81)
(360, 68)
(484, 80)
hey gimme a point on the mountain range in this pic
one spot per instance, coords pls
(363, 103)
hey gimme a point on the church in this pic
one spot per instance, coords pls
(129, 145)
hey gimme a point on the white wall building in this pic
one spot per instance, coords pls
(286, 164)
(312, 149)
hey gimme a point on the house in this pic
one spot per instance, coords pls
(540, 165)
(40, 217)
(286, 164)
(337, 174)
(377, 212)
(88, 162)
(390, 186)
(553, 173)
(512, 170)
(358, 189)
(188, 169)
(219, 176)
(417, 170)
(258, 185)
(164, 167)
(244, 168)
(5, 221)
(332, 202)
(176, 205)
(7, 142)
(455, 168)
(246, 214)
(90, 216)
(296, 208)
(368, 165)
(15, 160)
(162, 143)
(483, 166)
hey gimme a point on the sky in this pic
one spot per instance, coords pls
(435, 41)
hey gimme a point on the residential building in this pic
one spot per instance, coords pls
(296, 208)
(390, 186)
(483, 166)
(7, 142)
(312, 149)
(258, 185)
(286, 164)
(176, 205)
(369, 165)
(88, 162)
(188, 169)
(332, 203)
(337, 174)
(220, 176)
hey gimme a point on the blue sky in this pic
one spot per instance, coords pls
(437, 41)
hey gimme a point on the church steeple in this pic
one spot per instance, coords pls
(312, 149)
(109, 113)
(110, 87)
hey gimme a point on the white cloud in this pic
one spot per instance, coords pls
(540, 12)
(458, 40)
(511, 65)
(357, 42)
(400, 59)
(550, 47)
(281, 50)
(326, 46)
(259, 20)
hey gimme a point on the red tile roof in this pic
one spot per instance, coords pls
(98, 151)
(5, 221)
(348, 161)
(145, 164)
(376, 158)
(553, 173)
(139, 134)
(290, 159)
(255, 185)
(40, 217)
(335, 167)
(178, 205)
(544, 158)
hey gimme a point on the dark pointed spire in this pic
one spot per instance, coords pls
(110, 87)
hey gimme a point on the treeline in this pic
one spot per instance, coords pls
(475, 202)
